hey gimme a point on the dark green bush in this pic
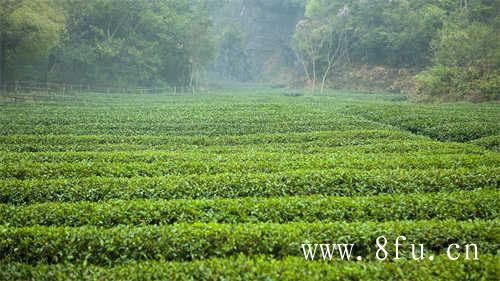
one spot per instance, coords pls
(103, 246)
(443, 83)
(479, 204)
(341, 182)
(263, 268)
(466, 64)
(491, 142)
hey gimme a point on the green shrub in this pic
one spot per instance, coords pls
(263, 268)
(341, 182)
(443, 83)
(467, 63)
(491, 142)
(177, 164)
(479, 204)
(96, 245)
(460, 122)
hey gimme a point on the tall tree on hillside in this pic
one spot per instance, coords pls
(28, 30)
(466, 64)
(307, 43)
(199, 42)
(134, 42)
(322, 42)
(338, 37)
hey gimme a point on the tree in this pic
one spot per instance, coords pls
(134, 42)
(232, 60)
(307, 42)
(28, 30)
(466, 64)
(200, 43)
(338, 39)
(322, 42)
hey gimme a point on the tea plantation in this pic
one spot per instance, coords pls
(228, 185)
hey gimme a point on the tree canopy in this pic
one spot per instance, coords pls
(456, 40)
(452, 44)
(28, 31)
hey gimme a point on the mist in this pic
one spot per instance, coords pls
(249, 140)
(397, 46)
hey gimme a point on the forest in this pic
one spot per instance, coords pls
(445, 50)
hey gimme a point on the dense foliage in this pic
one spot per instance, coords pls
(453, 46)
(467, 64)
(109, 42)
(460, 205)
(262, 268)
(110, 246)
(457, 40)
(28, 31)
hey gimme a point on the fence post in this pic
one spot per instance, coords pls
(15, 90)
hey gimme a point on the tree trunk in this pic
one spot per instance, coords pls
(191, 77)
(325, 75)
(331, 62)
(313, 86)
(3, 61)
(306, 71)
(306, 68)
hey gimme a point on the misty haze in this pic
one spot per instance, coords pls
(249, 139)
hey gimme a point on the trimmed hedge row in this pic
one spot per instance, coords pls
(97, 245)
(380, 146)
(479, 204)
(242, 163)
(397, 143)
(220, 125)
(299, 151)
(453, 122)
(89, 142)
(263, 268)
(342, 182)
(492, 143)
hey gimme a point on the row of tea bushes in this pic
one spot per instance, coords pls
(249, 152)
(451, 122)
(264, 162)
(51, 142)
(340, 182)
(492, 143)
(260, 267)
(106, 246)
(220, 125)
(478, 204)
